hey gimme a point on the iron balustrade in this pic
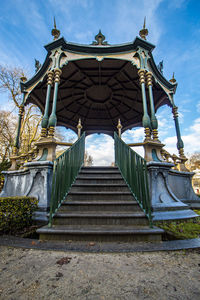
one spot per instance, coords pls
(65, 170)
(134, 171)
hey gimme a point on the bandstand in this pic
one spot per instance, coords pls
(102, 88)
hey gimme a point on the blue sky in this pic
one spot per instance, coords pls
(174, 28)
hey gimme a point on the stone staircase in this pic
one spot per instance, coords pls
(100, 207)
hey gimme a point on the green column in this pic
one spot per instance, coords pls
(21, 111)
(45, 118)
(154, 122)
(180, 145)
(53, 118)
(145, 120)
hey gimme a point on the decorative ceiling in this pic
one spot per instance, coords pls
(100, 93)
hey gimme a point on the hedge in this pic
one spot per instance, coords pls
(16, 213)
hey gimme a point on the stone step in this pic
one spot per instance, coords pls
(118, 206)
(99, 180)
(99, 172)
(101, 234)
(100, 188)
(100, 207)
(100, 218)
(100, 168)
(91, 175)
(102, 196)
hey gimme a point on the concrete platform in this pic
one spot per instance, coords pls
(96, 247)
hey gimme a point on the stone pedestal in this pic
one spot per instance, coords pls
(35, 180)
(181, 185)
(47, 149)
(152, 150)
(165, 204)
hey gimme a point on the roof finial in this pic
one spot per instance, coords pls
(100, 39)
(144, 31)
(173, 80)
(55, 32)
(23, 77)
(144, 26)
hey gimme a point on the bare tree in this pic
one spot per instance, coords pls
(88, 159)
(7, 133)
(193, 161)
(10, 84)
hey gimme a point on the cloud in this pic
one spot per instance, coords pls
(101, 148)
(191, 140)
(67, 134)
(175, 4)
(198, 107)
(134, 135)
(130, 15)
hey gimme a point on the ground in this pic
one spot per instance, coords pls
(38, 274)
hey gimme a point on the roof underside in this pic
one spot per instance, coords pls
(100, 93)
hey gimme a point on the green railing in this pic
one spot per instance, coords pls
(134, 171)
(65, 171)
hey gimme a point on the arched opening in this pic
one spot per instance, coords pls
(166, 129)
(134, 135)
(101, 148)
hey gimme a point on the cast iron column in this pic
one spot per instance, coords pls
(145, 120)
(53, 118)
(21, 112)
(45, 118)
(180, 145)
(154, 122)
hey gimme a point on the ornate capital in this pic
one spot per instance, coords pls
(175, 112)
(21, 110)
(149, 79)
(57, 72)
(51, 131)
(15, 151)
(141, 74)
(43, 132)
(155, 134)
(147, 132)
(50, 77)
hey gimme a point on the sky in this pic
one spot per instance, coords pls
(174, 28)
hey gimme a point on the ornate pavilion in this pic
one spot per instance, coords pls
(103, 88)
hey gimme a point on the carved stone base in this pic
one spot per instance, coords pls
(181, 185)
(165, 204)
(35, 180)
(47, 149)
(152, 150)
(13, 160)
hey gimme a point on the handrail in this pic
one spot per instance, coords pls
(65, 171)
(134, 171)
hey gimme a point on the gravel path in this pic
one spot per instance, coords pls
(35, 274)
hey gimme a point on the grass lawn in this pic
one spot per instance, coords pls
(188, 229)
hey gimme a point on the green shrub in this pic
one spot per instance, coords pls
(4, 166)
(16, 213)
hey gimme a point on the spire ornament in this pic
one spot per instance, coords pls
(144, 31)
(173, 80)
(55, 32)
(119, 127)
(100, 39)
(79, 127)
(23, 78)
